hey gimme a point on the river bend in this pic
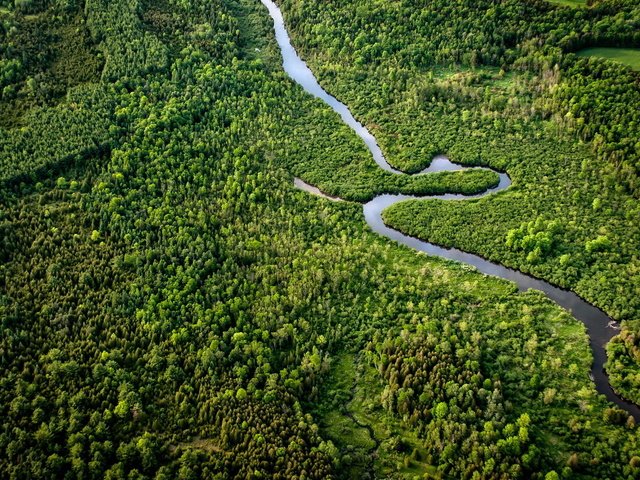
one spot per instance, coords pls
(600, 327)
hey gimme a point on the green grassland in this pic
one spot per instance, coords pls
(627, 56)
(569, 3)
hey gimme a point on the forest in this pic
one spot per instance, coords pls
(172, 307)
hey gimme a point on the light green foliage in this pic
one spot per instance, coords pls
(599, 244)
(535, 238)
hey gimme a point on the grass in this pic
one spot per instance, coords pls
(484, 75)
(343, 427)
(627, 56)
(206, 444)
(398, 441)
(352, 440)
(569, 3)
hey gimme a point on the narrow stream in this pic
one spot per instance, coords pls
(600, 327)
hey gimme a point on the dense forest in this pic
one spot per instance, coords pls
(172, 307)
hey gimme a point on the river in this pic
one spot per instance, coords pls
(600, 327)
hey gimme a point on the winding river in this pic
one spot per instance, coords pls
(600, 327)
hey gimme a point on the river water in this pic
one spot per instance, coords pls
(600, 327)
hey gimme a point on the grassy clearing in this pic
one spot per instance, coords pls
(569, 3)
(627, 56)
(490, 76)
(357, 389)
(401, 453)
(206, 444)
(352, 440)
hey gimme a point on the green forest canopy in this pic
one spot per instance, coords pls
(171, 307)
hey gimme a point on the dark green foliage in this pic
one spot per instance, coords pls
(42, 55)
(129, 50)
(458, 411)
(57, 137)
